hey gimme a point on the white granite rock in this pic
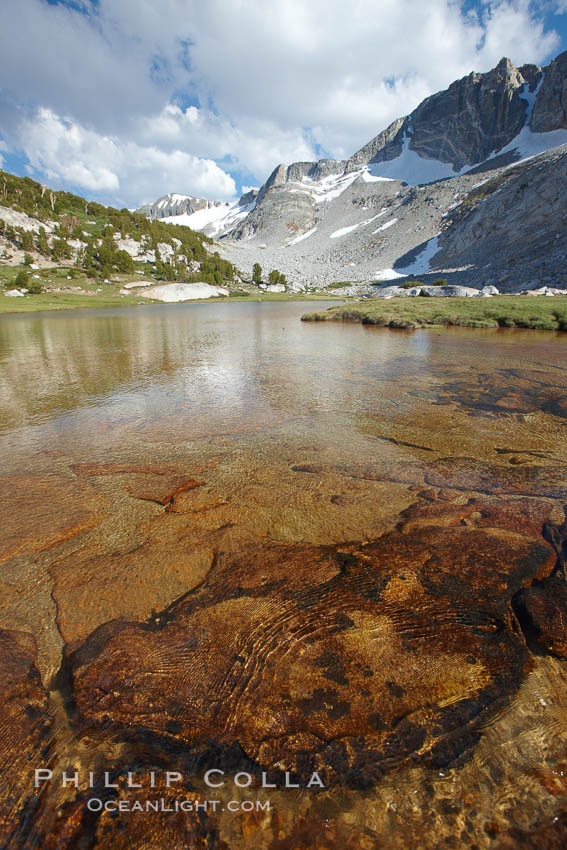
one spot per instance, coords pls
(450, 291)
(173, 292)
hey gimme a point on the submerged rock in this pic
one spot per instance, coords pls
(542, 609)
(343, 659)
(25, 736)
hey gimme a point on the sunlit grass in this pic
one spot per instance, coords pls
(520, 311)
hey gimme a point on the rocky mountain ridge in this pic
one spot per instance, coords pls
(175, 204)
(388, 209)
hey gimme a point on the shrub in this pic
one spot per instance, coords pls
(35, 287)
(440, 281)
(27, 240)
(21, 281)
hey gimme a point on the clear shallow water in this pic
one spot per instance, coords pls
(293, 434)
(234, 361)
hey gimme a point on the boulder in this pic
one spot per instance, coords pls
(173, 292)
(450, 291)
(392, 292)
(138, 283)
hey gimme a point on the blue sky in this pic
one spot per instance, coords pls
(125, 100)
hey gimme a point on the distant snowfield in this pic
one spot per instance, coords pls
(530, 144)
(330, 187)
(413, 169)
(215, 219)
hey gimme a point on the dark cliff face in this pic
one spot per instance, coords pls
(471, 119)
(466, 123)
(463, 125)
(477, 115)
(298, 170)
(550, 109)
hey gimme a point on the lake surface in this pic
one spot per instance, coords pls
(177, 484)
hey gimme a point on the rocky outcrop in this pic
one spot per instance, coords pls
(514, 219)
(465, 124)
(387, 144)
(314, 220)
(174, 292)
(248, 198)
(297, 171)
(474, 117)
(436, 292)
(278, 214)
(550, 108)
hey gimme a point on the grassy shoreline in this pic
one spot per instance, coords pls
(503, 311)
(56, 301)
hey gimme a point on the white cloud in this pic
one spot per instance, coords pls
(67, 153)
(255, 144)
(271, 82)
(349, 75)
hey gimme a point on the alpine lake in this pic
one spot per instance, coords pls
(232, 541)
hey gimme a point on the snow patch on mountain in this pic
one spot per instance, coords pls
(413, 169)
(528, 144)
(302, 236)
(342, 231)
(388, 274)
(385, 226)
(214, 220)
(330, 187)
(368, 177)
(422, 262)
